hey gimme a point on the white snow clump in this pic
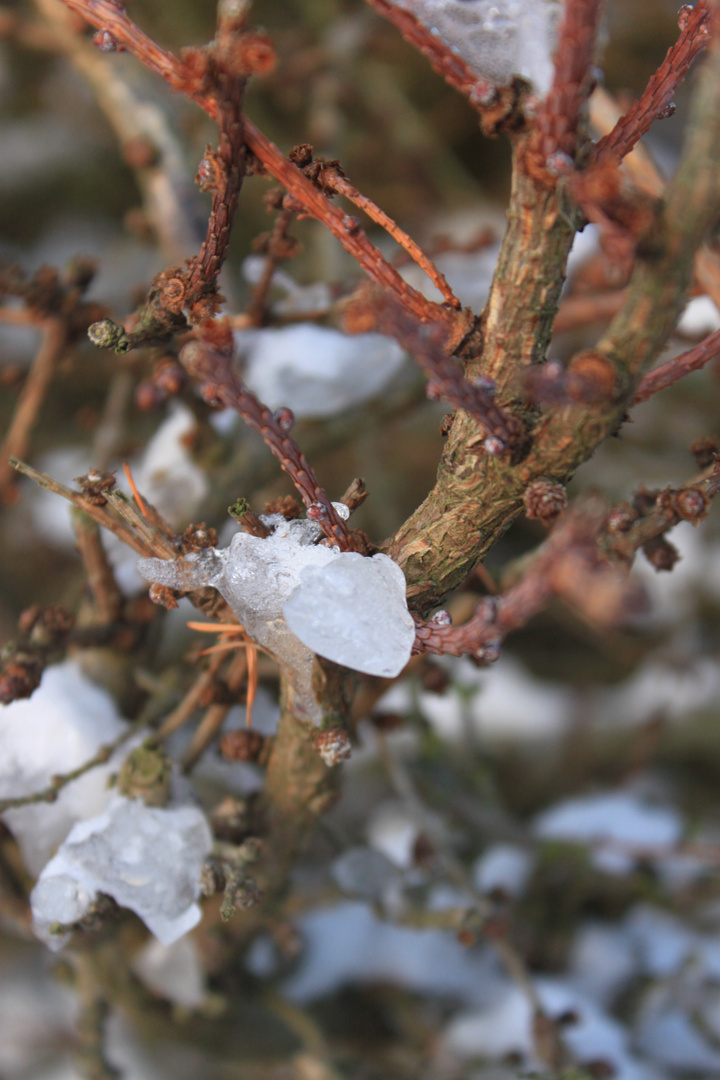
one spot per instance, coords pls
(147, 858)
(498, 39)
(61, 726)
(314, 370)
(296, 597)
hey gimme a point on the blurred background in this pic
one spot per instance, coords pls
(571, 788)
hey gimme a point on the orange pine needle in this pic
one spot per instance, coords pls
(136, 494)
(252, 664)
(216, 627)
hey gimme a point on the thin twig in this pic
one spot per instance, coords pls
(51, 791)
(107, 16)
(213, 367)
(98, 514)
(568, 564)
(101, 581)
(494, 104)
(665, 375)
(34, 391)
(553, 146)
(658, 94)
(192, 699)
(426, 345)
(214, 717)
(342, 186)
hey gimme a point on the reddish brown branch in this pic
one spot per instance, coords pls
(678, 367)
(568, 565)
(213, 367)
(342, 186)
(554, 143)
(181, 77)
(344, 227)
(427, 346)
(657, 96)
(229, 163)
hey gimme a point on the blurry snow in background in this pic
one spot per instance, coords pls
(317, 371)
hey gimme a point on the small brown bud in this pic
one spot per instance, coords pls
(660, 553)
(19, 679)
(544, 500)
(590, 378)
(198, 538)
(705, 451)
(287, 506)
(173, 294)
(243, 744)
(149, 396)
(162, 596)
(94, 484)
(621, 518)
(333, 746)
(691, 504)
(170, 377)
(254, 55)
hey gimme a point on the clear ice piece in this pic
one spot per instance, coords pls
(148, 859)
(353, 611)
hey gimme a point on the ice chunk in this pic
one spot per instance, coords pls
(297, 598)
(353, 610)
(317, 371)
(256, 576)
(147, 858)
(498, 39)
(61, 726)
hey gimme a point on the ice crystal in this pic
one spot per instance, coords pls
(147, 858)
(296, 597)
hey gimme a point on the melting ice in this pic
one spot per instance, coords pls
(296, 598)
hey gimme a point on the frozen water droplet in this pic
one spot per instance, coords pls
(341, 510)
